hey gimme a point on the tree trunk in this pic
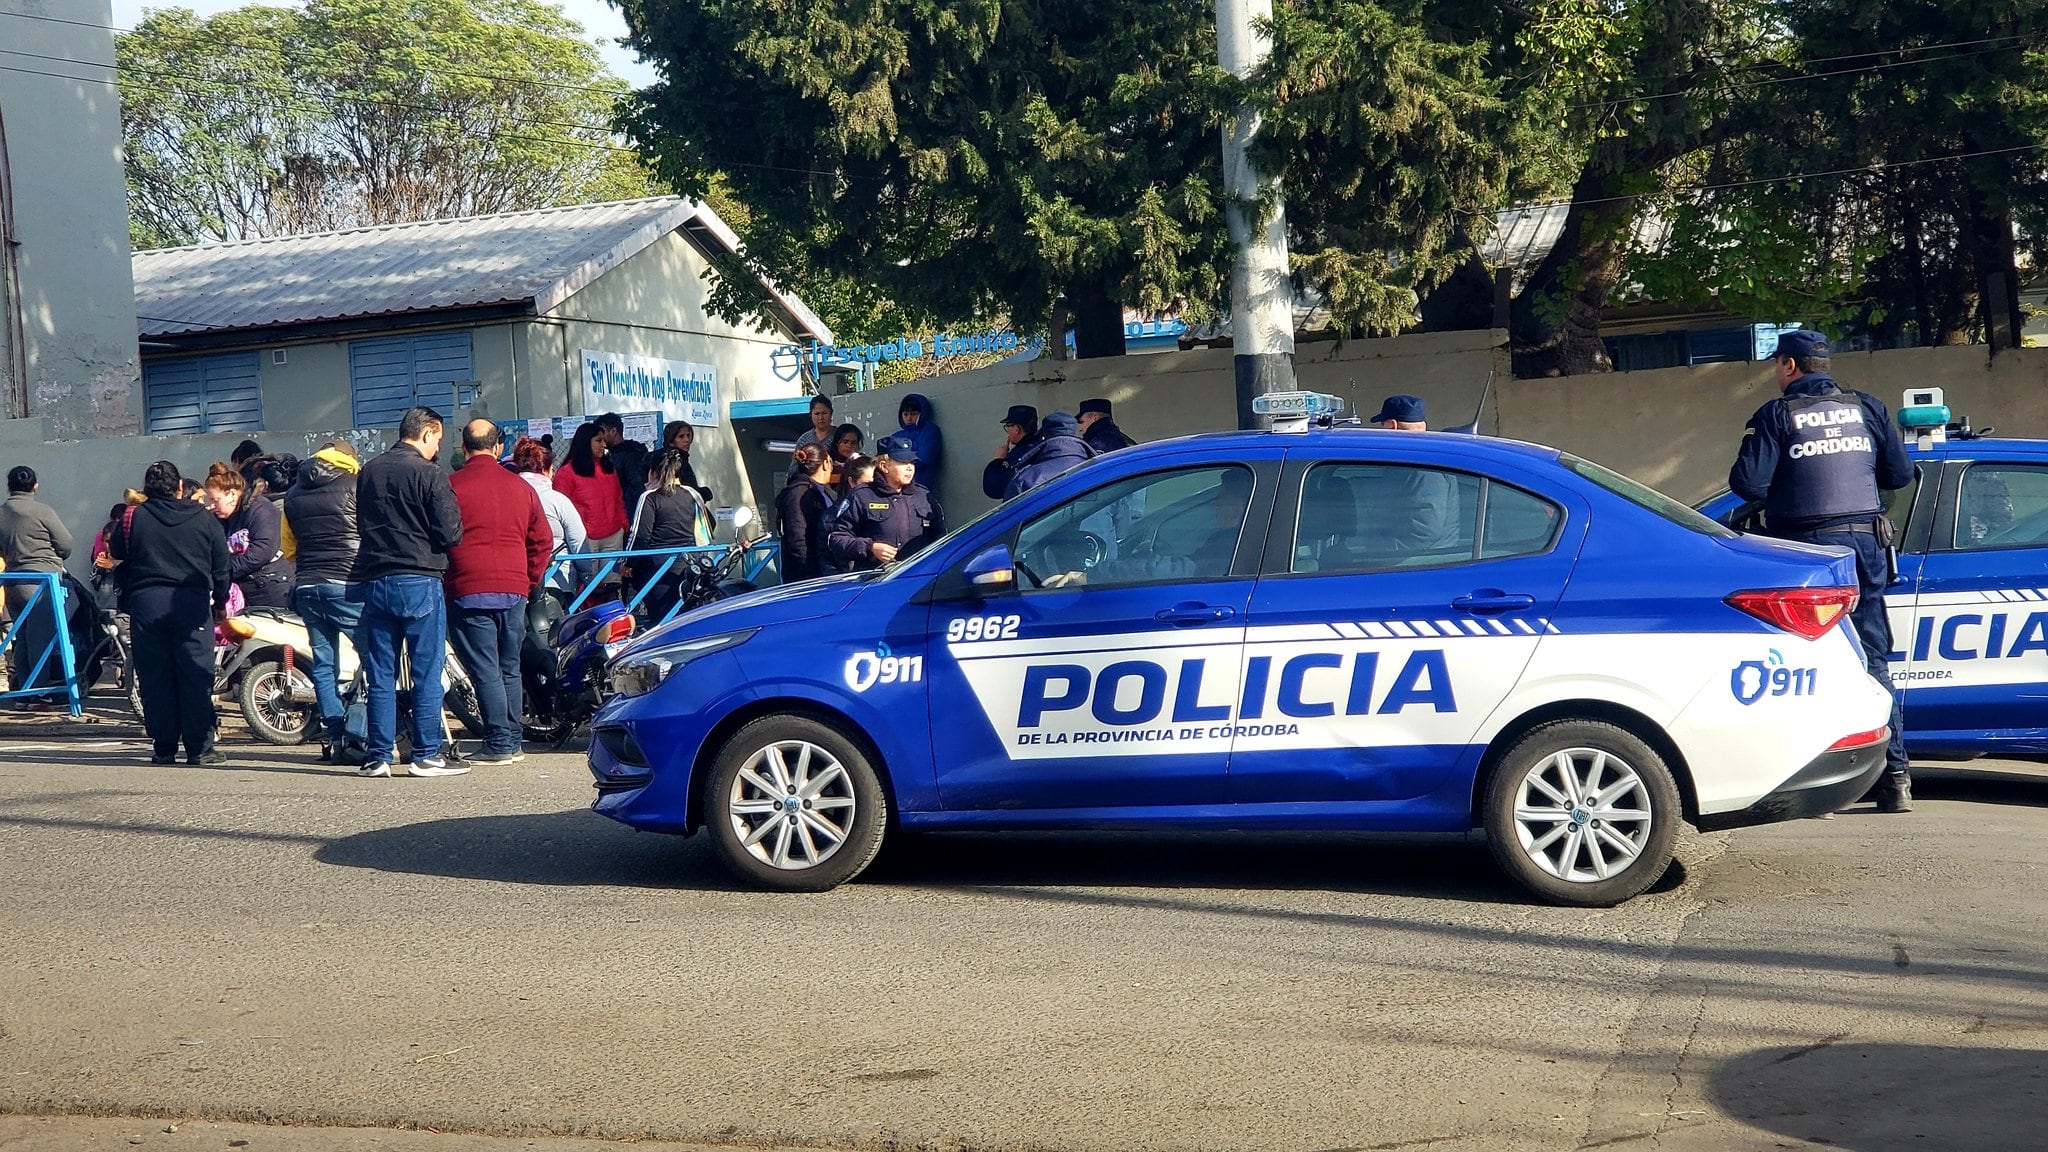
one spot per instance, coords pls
(1098, 322)
(1555, 321)
(1996, 268)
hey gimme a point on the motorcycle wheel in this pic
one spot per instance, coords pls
(269, 709)
(553, 733)
(461, 700)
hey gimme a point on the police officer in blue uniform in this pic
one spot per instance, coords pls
(889, 518)
(1820, 457)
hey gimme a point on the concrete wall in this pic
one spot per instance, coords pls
(1677, 429)
(1157, 397)
(82, 479)
(73, 304)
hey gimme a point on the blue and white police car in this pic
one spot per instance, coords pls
(1339, 629)
(1969, 607)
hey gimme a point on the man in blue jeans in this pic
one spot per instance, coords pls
(409, 522)
(503, 555)
(321, 539)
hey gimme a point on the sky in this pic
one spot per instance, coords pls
(599, 19)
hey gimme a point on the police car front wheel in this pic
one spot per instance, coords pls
(793, 804)
(1582, 812)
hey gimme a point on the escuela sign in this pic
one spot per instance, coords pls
(621, 382)
(789, 359)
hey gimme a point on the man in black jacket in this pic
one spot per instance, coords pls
(408, 519)
(1098, 427)
(321, 537)
(173, 566)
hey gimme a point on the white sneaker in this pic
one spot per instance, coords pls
(435, 766)
(374, 768)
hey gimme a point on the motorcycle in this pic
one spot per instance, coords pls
(564, 662)
(262, 661)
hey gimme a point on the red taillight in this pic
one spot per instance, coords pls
(617, 628)
(1807, 612)
(1862, 739)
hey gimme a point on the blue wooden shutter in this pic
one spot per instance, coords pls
(388, 375)
(203, 394)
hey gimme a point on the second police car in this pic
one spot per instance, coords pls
(1969, 605)
(1342, 629)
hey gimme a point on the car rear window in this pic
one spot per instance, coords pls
(1643, 496)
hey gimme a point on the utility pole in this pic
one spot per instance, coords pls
(1261, 284)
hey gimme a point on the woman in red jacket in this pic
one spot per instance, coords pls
(590, 484)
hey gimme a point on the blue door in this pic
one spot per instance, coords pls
(1405, 611)
(1108, 678)
(1973, 641)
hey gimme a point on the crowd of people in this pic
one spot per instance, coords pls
(404, 560)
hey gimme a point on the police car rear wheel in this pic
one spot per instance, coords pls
(794, 804)
(1582, 812)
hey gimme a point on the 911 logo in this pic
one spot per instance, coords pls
(864, 670)
(1751, 680)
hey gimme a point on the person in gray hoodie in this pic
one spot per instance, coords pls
(32, 539)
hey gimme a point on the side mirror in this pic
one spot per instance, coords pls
(991, 571)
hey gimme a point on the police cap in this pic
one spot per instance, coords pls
(897, 448)
(1801, 342)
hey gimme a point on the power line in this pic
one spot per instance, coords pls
(1788, 178)
(1725, 86)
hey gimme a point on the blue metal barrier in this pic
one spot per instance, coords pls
(590, 570)
(48, 597)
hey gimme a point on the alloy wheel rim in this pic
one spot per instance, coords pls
(1583, 815)
(792, 805)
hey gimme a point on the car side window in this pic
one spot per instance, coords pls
(2002, 506)
(1517, 523)
(1157, 528)
(1357, 518)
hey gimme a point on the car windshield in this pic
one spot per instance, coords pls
(1644, 496)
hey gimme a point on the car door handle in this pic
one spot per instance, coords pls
(1492, 601)
(1188, 615)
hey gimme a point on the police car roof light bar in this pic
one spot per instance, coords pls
(1295, 411)
(1923, 414)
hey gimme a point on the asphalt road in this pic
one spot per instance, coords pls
(283, 943)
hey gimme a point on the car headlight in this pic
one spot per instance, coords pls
(642, 671)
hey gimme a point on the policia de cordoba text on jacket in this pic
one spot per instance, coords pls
(1820, 455)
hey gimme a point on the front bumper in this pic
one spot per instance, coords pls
(1830, 782)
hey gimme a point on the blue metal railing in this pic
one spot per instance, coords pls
(48, 597)
(591, 570)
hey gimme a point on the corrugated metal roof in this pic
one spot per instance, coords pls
(542, 257)
(1523, 236)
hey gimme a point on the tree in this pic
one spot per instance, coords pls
(961, 159)
(264, 121)
(1592, 102)
(1925, 124)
